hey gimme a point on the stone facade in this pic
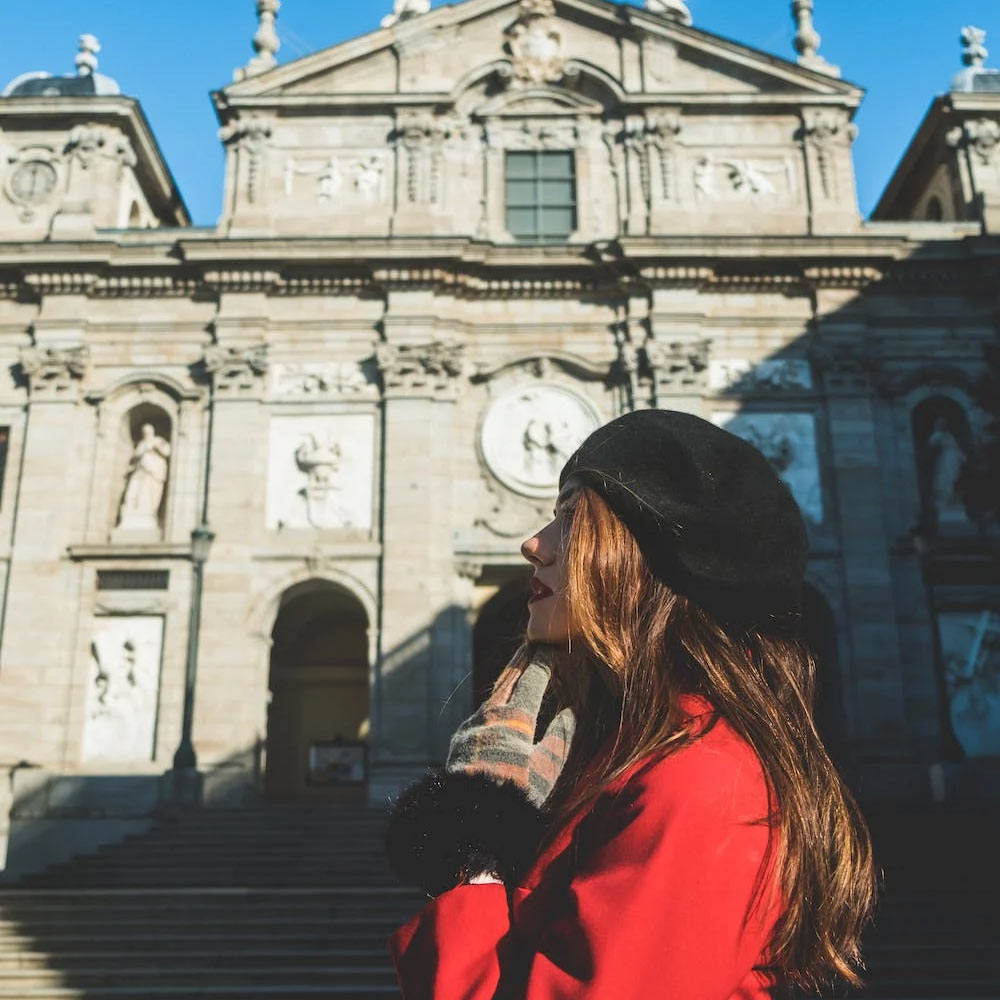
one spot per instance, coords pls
(365, 386)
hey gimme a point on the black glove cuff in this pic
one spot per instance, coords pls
(449, 826)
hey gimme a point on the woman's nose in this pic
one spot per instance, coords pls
(530, 548)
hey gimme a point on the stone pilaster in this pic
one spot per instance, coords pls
(228, 661)
(844, 361)
(39, 631)
(420, 383)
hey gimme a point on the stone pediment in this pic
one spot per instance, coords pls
(431, 54)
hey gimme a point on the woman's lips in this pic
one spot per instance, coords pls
(538, 591)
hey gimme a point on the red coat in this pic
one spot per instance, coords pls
(641, 898)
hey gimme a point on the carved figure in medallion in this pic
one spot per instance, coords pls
(145, 481)
(547, 446)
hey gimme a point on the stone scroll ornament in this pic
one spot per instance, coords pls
(145, 482)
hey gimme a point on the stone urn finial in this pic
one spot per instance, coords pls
(807, 39)
(86, 58)
(265, 41)
(974, 51)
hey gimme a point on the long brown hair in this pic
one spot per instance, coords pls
(643, 644)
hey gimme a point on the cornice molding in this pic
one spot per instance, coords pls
(464, 269)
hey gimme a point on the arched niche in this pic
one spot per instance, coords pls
(319, 711)
(120, 410)
(498, 631)
(943, 444)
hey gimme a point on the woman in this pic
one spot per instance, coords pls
(643, 808)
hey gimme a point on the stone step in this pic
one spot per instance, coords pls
(247, 975)
(201, 992)
(70, 962)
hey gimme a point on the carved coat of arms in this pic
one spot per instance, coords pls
(535, 43)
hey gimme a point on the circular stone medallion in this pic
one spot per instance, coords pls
(530, 431)
(32, 181)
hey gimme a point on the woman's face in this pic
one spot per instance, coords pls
(548, 610)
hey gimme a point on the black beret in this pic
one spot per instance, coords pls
(709, 512)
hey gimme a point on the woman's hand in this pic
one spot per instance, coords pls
(498, 741)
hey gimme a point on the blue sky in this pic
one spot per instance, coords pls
(171, 53)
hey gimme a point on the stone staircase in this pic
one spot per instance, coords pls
(936, 934)
(295, 901)
(276, 901)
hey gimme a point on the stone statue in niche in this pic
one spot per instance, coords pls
(145, 481)
(320, 461)
(946, 463)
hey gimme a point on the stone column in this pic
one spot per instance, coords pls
(877, 707)
(44, 586)
(416, 665)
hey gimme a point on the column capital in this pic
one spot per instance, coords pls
(54, 372)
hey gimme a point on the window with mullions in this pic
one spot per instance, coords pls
(541, 196)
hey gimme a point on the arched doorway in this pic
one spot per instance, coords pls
(498, 631)
(318, 717)
(820, 631)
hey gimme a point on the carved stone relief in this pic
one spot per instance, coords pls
(123, 689)
(788, 441)
(530, 430)
(321, 378)
(741, 179)
(970, 652)
(320, 472)
(739, 375)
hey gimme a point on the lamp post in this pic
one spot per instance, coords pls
(186, 779)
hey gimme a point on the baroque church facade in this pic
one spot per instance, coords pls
(264, 483)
